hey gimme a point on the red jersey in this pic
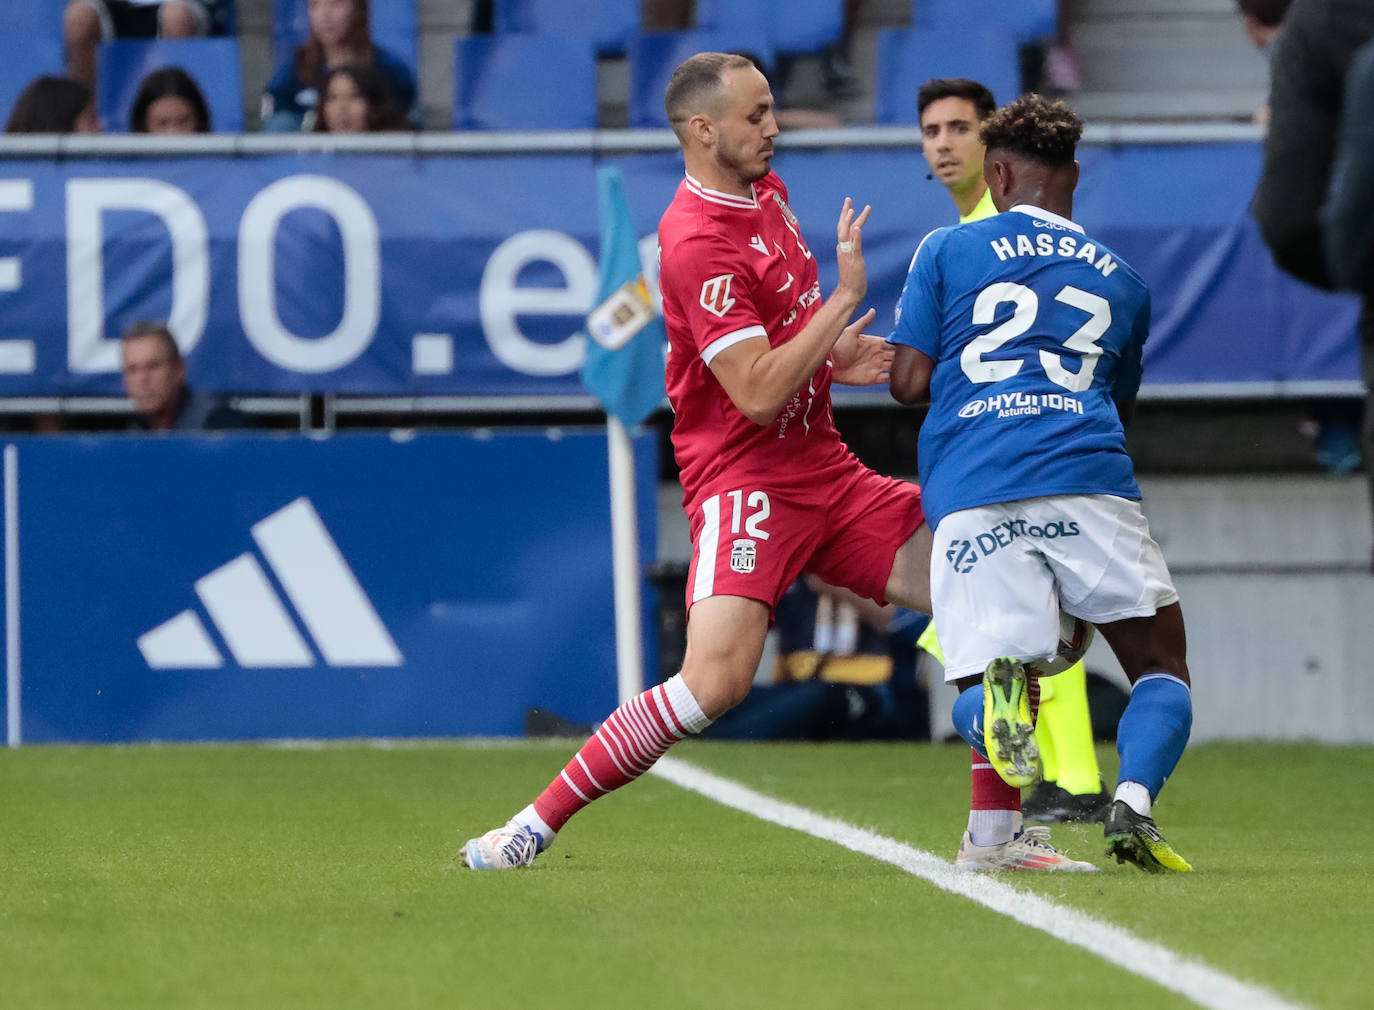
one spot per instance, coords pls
(732, 268)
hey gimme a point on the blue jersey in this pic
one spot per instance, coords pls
(1035, 331)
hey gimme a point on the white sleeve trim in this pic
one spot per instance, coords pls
(730, 340)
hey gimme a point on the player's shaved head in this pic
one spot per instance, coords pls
(1035, 127)
(697, 86)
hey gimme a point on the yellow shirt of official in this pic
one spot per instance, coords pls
(983, 209)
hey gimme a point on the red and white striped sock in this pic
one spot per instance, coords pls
(994, 814)
(625, 746)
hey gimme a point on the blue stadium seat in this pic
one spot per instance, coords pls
(905, 58)
(524, 82)
(1028, 20)
(393, 26)
(214, 63)
(610, 23)
(21, 63)
(790, 26)
(654, 56)
(30, 21)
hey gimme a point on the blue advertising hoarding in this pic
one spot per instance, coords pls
(251, 587)
(470, 274)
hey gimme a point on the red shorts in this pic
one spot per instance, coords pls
(755, 538)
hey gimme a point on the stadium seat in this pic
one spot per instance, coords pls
(393, 26)
(905, 58)
(1028, 20)
(654, 56)
(790, 26)
(214, 63)
(493, 86)
(30, 21)
(19, 64)
(610, 23)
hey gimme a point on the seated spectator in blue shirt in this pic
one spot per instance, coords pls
(169, 101)
(356, 100)
(86, 22)
(339, 36)
(50, 104)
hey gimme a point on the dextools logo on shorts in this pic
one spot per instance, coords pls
(963, 554)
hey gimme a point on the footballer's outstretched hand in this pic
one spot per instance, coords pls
(849, 251)
(860, 358)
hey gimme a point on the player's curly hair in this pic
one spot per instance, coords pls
(1036, 127)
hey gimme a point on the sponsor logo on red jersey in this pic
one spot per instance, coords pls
(715, 295)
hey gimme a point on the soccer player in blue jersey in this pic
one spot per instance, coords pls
(952, 111)
(1026, 337)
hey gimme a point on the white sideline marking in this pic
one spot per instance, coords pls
(1203, 985)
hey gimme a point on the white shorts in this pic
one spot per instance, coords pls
(1000, 574)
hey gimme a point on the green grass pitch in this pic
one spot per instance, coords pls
(246, 876)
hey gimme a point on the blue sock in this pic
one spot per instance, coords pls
(968, 717)
(1154, 730)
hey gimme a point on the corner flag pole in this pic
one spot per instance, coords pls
(629, 646)
(624, 368)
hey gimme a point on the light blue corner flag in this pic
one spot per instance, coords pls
(624, 366)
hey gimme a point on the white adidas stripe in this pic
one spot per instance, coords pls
(254, 621)
(1190, 978)
(323, 588)
(250, 616)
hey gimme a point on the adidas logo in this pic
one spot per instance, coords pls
(254, 621)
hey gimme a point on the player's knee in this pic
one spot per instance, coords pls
(716, 690)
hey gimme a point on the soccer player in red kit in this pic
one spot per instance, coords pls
(769, 487)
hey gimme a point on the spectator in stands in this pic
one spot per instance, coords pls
(1313, 54)
(169, 101)
(87, 22)
(657, 15)
(356, 100)
(837, 74)
(339, 36)
(1057, 61)
(53, 105)
(155, 380)
(791, 118)
(1261, 19)
(1333, 425)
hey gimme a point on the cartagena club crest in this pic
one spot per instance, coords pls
(786, 211)
(742, 556)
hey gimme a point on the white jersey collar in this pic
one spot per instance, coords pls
(1044, 215)
(750, 202)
